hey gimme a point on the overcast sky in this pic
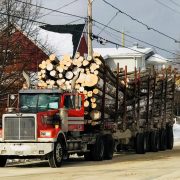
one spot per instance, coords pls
(151, 12)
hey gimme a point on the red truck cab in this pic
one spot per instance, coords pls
(42, 118)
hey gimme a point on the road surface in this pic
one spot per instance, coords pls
(125, 166)
(164, 165)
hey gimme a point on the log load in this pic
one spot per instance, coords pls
(83, 75)
(138, 95)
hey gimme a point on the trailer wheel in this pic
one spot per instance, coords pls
(56, 156)
(169, 137)
(162, 140)
(154, 140)
(148, 147)
(3, 160)
(108, 147)
(140, 143)
(98, 149)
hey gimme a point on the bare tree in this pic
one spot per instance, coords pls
(17, 22)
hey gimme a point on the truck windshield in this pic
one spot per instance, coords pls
(33, 103)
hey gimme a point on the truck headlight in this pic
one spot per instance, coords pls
(45, 134)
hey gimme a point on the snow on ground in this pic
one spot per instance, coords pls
(176, 129)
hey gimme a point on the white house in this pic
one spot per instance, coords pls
(132, 57)
(157, 61)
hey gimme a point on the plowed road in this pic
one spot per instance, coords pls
(164, 165)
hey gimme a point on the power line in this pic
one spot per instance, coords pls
(163, 4)
(93, 36)
(74, 21)
(140, 22)
(2, 13)
(31, 20)
(109, 26)
(114, 36)
(86, 19)
(177, 4)
(27, 19)
(49, 9)
(70, 3)
(99, 39)
(74, 30)
(118, 31)
(108, 23)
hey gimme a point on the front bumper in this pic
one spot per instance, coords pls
(26, 149)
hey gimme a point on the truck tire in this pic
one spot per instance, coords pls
(140, 143)
(108, 147)
(56, 156)
(3, 160)
(154, 140)
(148, 147)
(98, 149)
(162, 140)
(169, 137)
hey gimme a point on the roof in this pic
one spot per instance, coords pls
(58, 39)
(65, 37)
(157, 59)
(132, 52)
(57, 43)
(39, 91)
(121, 52)
(35, 40)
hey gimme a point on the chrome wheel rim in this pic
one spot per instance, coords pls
(58, 152)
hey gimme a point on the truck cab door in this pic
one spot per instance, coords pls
(74, 103)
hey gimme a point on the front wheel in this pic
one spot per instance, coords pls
(98, 149)
(3, 160)
(56, 156)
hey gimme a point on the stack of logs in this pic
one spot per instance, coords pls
(83, 75)
(128, 97)
(148, 97)
(164, 96)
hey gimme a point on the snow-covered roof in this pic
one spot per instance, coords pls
(64, 38)
(57, 43)
(57, 39)
(157, 59)
(119, 52)
(50, 42)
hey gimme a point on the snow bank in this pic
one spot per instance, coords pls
(176, 129)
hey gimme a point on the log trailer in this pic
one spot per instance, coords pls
(53, 124)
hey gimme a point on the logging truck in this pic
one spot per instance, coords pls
(82, 107)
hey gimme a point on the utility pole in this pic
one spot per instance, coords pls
(90, 50)
(123, 39)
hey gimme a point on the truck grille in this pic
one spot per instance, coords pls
(19, 128)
